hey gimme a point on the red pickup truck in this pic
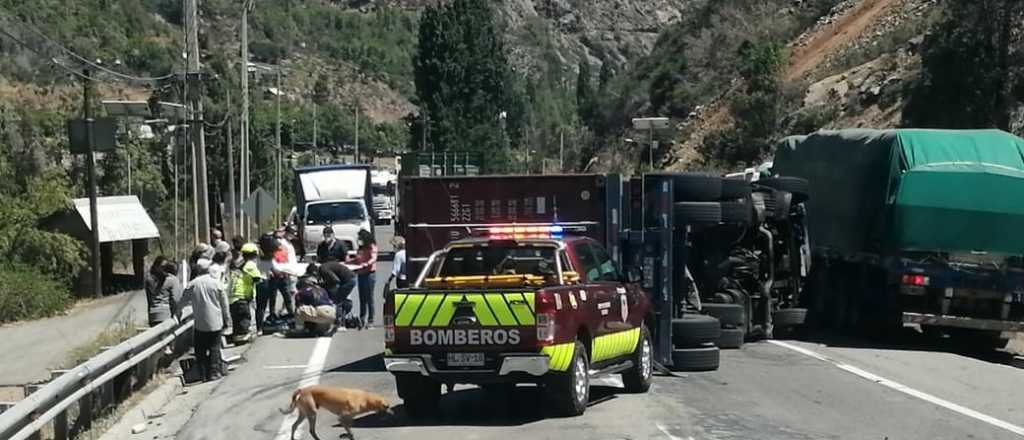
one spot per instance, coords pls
(522, 304)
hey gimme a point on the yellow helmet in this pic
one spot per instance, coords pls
(250, 248)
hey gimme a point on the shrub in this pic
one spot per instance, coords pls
(25, 293)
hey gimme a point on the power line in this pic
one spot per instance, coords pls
(6, 15)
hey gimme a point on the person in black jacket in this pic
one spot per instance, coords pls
(331, 249)
(339, 281)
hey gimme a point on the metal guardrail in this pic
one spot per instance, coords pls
(91, 385)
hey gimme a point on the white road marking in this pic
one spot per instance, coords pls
(669, 434)
(907, 390)
(310, 376)
(284, 367)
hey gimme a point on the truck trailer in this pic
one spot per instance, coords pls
(914, 226)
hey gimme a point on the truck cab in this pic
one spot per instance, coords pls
(345, 217)
(518, 305)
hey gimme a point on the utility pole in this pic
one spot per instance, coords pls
(198, 140)
(244, 175)
(277, 134)
(316, 160)
(561, 150)
(94, 222)
(230, 220)
(426, 121)
(357, 132)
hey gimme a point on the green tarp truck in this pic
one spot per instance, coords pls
(914, 226)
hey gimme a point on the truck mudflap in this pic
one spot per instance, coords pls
(962, 322)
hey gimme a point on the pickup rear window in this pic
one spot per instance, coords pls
(488, 260)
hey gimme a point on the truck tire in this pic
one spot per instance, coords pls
(789, 317)
(737, 213)
(731, 338)
(638, 378)
(697, 187)
(693, 330)
(696, 359)
(697, 213)
(420, 395)
(570, 391)
(733, 189)
(799, 187)
(730, 315)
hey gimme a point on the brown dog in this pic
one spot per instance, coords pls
(343, 402)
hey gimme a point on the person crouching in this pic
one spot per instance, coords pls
(314, 309)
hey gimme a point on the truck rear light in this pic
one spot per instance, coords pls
(546, 308)
(916, 280)
(389, 329)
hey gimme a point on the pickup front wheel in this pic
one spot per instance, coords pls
(638, 378)
(419, 394)
(570, 391)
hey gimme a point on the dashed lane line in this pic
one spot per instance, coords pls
(906, 390)
(310, 376)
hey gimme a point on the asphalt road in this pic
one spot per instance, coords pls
(827, 388)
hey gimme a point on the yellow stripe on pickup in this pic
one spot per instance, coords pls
(614, 345)
(437, 309)
(409, 309)
(559, 356)
(522, 305)
(427, 310)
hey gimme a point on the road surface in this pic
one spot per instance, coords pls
(833, 389)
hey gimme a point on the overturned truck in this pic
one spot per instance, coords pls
(914, 226)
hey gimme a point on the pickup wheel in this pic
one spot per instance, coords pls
(570, 391)
(638, 378)
(419, 394)
(698, 213)
(696, 359)
(693, 330)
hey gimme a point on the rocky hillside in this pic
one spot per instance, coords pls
(853, 68)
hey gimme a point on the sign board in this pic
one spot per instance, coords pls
(260, 205)
(650, 123)
(104, 132)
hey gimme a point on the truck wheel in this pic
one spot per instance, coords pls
(727, 314)
(799, 187)
(696, 359)
(696, 213)
(733, 189)
(731, 338)
(789, 317)
(638, 378)
(741, 213)
(693, 330)
(419, 394)
(697, 187)
(570, 391)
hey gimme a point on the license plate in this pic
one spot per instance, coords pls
(465, 359)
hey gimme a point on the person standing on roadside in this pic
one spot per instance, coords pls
(398, 267)
(210, 314)
(365, 263)
(219, 268)
(291, 233)
(242, 284)
(162, 292)
(217, 239)
(331, 249)
(236, 251)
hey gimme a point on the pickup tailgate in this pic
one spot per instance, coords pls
(463, 328)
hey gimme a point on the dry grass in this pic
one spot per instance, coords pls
(115, 334)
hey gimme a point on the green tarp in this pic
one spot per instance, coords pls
(889, 190)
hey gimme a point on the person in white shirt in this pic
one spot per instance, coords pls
(398, 266)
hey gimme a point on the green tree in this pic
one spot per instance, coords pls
(969, 64)
(464, 81)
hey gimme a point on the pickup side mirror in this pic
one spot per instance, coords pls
(633, 275)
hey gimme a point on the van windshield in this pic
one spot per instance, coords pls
(335, 212)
